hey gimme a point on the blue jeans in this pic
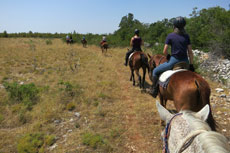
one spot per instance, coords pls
(167, 66)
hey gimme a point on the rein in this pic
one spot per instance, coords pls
(185, 143)
(160, 60)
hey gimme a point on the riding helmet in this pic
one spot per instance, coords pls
(179, 22)
(136, 31)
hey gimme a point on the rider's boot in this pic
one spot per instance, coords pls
(155, 87)
(126, 60)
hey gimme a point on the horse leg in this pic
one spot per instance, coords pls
(139, 77)
(133, 77)
(143, 80)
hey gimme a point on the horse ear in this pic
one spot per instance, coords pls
(149, 55)
(204, 112)
(165, 115)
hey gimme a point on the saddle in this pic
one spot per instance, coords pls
(165, 76)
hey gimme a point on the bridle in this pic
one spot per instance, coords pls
(185, 143)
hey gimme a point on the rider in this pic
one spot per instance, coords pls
(83, 38)
(135, 43)
(103, 40)
(180, 44)
(67, 37)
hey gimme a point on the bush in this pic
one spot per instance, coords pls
(34, 143)
(92, 140)
(25, 93)
(70, 106)
(49, 42)
(71, 90)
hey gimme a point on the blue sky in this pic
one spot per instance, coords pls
(91, 16)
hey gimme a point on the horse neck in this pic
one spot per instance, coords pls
(206, 142)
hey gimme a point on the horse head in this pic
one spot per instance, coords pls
(188, 132)
(154, 61)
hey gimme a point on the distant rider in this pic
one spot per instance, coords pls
(135, 43)
(103, 40)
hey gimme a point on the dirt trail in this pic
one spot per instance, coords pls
(138, 111)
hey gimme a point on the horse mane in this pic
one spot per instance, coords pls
(210, 141)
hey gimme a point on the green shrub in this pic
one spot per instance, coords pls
(49, 42)
(34, 143)
(71, 90)
(25, 93)
(70, 106)
(30, 143)
(92, 140)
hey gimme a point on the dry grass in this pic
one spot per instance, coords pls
(124, 117)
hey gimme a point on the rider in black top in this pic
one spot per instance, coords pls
(135, 43)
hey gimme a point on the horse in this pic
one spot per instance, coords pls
(138, 60)
(84, 43)
(69, 41)
(188, 132)
(187, 89)
(104, 46)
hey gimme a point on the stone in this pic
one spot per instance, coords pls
(53, 146)
(219, 90)
(57, 121)
(223, 96)
(77, 114)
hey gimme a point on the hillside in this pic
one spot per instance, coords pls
(85, 101)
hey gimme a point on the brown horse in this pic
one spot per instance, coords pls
(138, 60)
(104, 46)
(84, 42)
(187, 89)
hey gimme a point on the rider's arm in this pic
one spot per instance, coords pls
(190, 54)
(165, 51)
(131, 42)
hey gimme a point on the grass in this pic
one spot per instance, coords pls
(114, 115)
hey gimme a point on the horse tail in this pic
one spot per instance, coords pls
(144, 61)
(204, 98)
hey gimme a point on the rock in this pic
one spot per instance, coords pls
(77, 114)
(224, 130)
(219, 90)
(71, 120)
(57, 121)
(218, 113)
(223, 96)
(53, 146)
(70, 131)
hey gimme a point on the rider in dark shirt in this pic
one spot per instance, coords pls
(135, 43)
(180, 50)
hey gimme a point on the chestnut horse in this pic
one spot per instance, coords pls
(187, 89)
(104, 47)
(138, 60)
(84, 43)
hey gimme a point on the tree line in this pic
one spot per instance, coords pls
(209, 30)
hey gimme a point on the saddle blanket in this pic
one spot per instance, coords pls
(131, 55)
(165, 76)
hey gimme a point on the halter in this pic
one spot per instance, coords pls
(167, 132)
(185, 143)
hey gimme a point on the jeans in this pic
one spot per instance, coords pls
(167, 66)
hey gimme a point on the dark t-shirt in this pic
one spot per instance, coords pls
(179, 45)
(137, 44)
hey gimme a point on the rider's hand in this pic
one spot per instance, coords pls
(168, 57)
(191, 68)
